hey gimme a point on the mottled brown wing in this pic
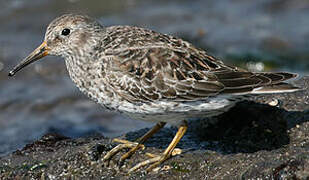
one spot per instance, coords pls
(149, 74)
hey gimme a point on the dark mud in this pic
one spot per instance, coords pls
(265, 138)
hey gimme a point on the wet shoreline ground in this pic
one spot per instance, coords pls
(252, 140)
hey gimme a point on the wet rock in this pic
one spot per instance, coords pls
(48, 142)
(252, 140)
(258, 35)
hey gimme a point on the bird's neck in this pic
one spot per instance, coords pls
(80, 69)
(83, 61)
(76, 69)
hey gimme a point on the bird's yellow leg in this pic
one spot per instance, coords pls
(133, 145)
(157, 160)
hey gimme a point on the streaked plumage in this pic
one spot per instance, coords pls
(152, 76)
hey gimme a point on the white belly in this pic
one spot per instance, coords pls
(176, 112)
(162, 111)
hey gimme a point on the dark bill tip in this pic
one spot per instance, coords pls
(37, 54)
(11, 73)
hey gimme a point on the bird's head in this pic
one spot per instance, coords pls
(64, 36)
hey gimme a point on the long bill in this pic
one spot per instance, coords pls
(37, 54)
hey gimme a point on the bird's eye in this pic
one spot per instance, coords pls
(65, 32)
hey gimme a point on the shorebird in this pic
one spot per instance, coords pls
(149, 76)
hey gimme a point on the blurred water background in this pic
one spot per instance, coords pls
(259, 35)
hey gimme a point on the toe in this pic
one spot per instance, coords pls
(144, 163)
(116, 149)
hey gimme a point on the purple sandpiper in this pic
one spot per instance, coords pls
(149, 76)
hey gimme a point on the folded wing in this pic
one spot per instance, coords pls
(150, 74)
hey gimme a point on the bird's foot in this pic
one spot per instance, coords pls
(133, 146)
(155, 160)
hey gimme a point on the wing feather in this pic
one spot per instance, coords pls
(150, 66)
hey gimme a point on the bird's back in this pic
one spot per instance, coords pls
(146, 66)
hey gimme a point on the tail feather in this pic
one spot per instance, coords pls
(277, 77)
(277, 84)
(258, 83)
(275, 88)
